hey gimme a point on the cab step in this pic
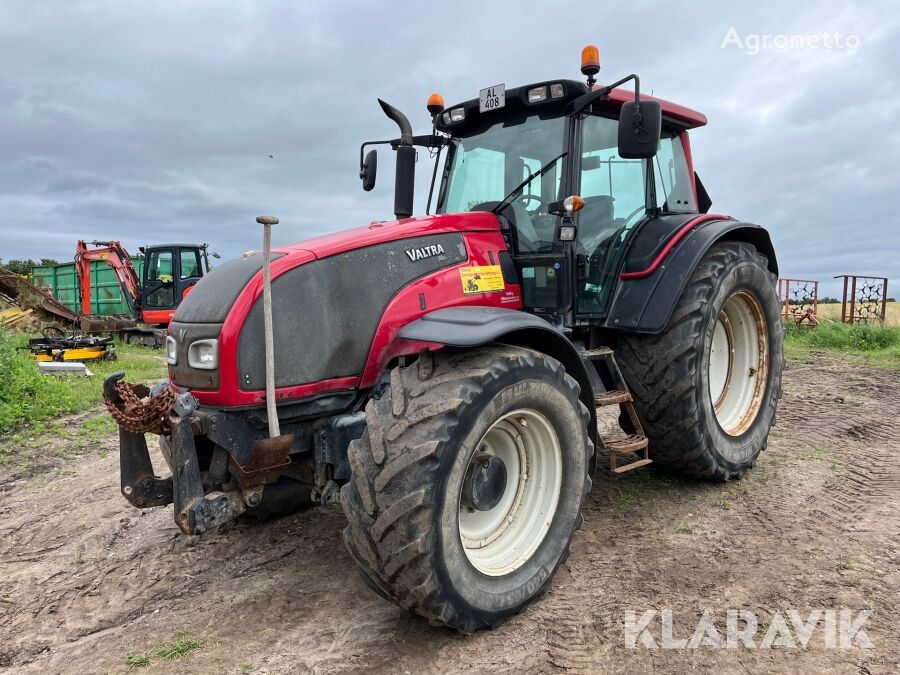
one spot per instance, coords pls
(617, 393)
(616, 396)
(630, 444)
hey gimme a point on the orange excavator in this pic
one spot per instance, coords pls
(168, 274)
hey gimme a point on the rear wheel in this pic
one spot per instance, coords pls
(706, 388)
(467, 486)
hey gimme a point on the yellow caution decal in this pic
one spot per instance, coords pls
(481, 279)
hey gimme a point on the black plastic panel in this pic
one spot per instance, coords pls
(645, 305)
(184, 334)
(212, 297)
(653, 235)
(326, 311)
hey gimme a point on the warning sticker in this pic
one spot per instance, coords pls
(481, 279)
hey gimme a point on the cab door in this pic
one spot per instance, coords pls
(168, 272)
(620, 196)
(614, 194)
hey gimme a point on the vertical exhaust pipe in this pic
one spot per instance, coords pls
(405, 179)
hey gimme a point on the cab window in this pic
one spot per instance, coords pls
(190, 264)
(674, 184)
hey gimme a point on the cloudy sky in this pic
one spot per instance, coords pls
(152, 122)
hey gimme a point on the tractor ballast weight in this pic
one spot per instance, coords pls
(440, 375)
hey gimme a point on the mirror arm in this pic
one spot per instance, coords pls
(425, 141)
(362, 150)
(591, 97)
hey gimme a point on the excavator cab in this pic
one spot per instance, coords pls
(170, 270)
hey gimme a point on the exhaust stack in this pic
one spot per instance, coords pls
(405, 178)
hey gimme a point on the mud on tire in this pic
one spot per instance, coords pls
(669, 375)
(403, 500)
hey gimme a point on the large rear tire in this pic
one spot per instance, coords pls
(706, 388)
(467, 486)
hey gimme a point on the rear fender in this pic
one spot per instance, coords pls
(646, 296)
(470, 327)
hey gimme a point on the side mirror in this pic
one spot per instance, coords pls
(368, 170)
(639, 132)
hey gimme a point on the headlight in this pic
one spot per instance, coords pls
(204, 354)
(457, 114)
(171, 351)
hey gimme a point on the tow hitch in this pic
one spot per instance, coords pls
(138, 411)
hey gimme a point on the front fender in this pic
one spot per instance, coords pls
(644, 303)
(468, 327)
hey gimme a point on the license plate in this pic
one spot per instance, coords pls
(492, 98)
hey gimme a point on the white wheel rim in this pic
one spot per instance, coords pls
(738, 363)
(502, 539)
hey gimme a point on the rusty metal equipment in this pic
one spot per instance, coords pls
(800, 301)
(31, 300)
(864, 299)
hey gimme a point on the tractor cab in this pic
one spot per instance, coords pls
(571, 169)
(169, 272)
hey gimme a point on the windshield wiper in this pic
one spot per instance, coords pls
(540, 172)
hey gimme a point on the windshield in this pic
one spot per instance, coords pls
(487, 166)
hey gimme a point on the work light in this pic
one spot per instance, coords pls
(537, 94)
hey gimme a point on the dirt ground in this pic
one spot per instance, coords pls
(86, 579)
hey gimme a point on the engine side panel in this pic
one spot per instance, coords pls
(326, 311)
(436, 291)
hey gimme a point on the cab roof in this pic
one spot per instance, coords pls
(517, 107)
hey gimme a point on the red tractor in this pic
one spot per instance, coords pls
(441, 374)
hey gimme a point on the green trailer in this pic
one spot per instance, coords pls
(107, 298)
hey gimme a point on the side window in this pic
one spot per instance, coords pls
(674, 184)
(190, 264)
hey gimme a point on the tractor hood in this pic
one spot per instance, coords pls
(328, 293)
(380, 232)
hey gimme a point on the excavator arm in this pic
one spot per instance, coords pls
(114, 255)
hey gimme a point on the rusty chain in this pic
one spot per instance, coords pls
(139, 413)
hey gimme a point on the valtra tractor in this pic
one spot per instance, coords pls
(440, 375)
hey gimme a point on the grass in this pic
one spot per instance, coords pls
(183, 644)
(857, 337)
(838, 467)
(685, 528)
(878, 345)
(27, 397)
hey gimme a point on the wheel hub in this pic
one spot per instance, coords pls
(485, 483)
(510, 491)
(737, 365)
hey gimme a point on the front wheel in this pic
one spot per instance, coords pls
(467, 486)
(706, 388)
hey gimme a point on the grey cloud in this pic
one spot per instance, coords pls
(148, 122)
